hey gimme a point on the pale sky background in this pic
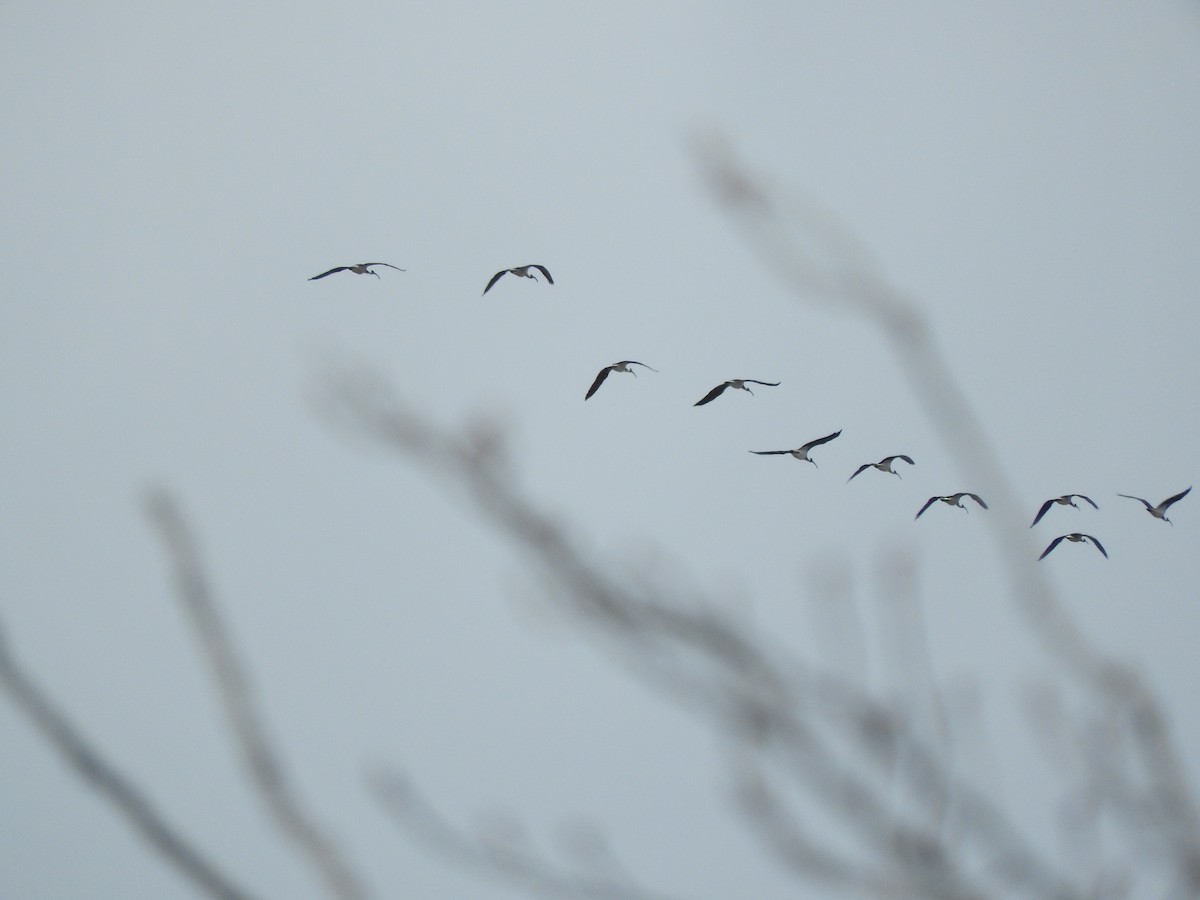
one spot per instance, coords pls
(172, 174)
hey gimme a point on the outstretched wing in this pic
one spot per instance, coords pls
(1166, 503)
(330, 272)
(976, 498)
(389, 265)
(541, 269)
(713, 394)
(819, 441)
(1054, 543)
(907, 459)
(634, 362)
(1099, 546)
(1145, 503)
(495, 278)
(1088, 499)
(770, 452)
(599, 381)
(928, 503)
(767, 383)
(1038, 517)
(859, 471)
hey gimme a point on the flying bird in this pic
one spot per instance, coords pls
(1065, 500)
(884, 465)
(357, 269)
(951, 500)
(522, 271)
(737, 384)
(1075, 537)
(1160, 511)
(622, 366)
(800, 452)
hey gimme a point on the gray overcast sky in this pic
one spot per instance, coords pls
(172, 175)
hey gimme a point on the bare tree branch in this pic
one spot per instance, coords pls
(246, 722)
(819, 259)
(522, 866)
(753, 692)
(120, 792)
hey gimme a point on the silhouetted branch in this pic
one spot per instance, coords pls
(120, 792)
(246, 722)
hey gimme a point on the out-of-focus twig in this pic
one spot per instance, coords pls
(262, 760)
(818, 258)
(126, 797)
(752, 691)
(534, 872)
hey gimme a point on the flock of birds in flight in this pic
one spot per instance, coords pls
(886, 464)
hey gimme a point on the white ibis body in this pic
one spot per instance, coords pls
(1065, 500)
(735, 383)
(1160, 511)
(802, 451)
(884, 465)
(521, 272)
(622, 366)
(951, 500)
(357, 269)
(1076, 538)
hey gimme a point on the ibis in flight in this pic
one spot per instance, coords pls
(1160, 511)
(1074, 537)
(622, 366)
(800, 452)
(357, 269)
(1065, 500)
(521, 271)
(737, 384)
(884, 465)
(951, 500)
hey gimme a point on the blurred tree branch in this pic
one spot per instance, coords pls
(508, 860)
(246, 721)
(819, 259)
(796, 721)
(129, 800)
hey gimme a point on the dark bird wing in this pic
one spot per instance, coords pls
(599, 381)
(1088, 499)
(1042, 512)
(928, 503)
(1145, 503)
(1099, 546)
(389, 265)
(1054, 543)
(859, 471)
(330, 272)
(907, 459)
(767, 383)
(819, 441)
(543, 270)
(713, 394)
(1166, 503)
(495, 278)
(634, 362)
(770, 452)
(976, 498)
